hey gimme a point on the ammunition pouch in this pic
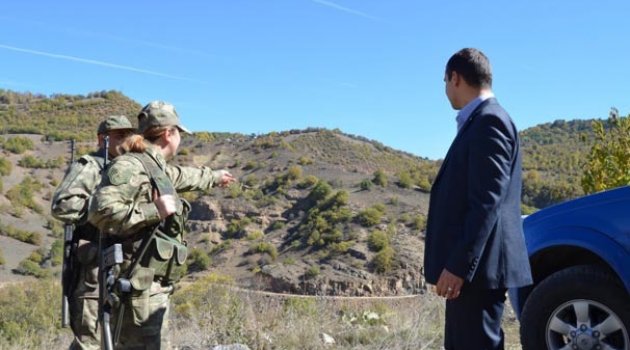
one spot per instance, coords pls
(166, 256)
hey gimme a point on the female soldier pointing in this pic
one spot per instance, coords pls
(138, 206)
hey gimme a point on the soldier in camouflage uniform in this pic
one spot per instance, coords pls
(138, 206)
(70, 205)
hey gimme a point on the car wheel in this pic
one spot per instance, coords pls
(580, 308)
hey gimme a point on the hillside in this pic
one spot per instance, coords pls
(316, 211)
(553, 156)
(59, 116)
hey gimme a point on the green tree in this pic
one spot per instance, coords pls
(607, 164)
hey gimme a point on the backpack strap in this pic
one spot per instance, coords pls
(159, 180)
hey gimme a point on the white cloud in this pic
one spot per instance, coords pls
(96, 63)
(347, 10)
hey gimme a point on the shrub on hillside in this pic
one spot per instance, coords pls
(341, 247)
(198, 260)
(2, 261)
(294, 172)
(56, 252)
(255, 235)
(404, 179)
(21, 195)
(419, 222)
(28, 267)
(204, 136)
(29, 310)
(264, 248)
(312, 271)
(5, 167)
(307, 182)
(250, 180)
(324, 222)
(380, 178)
(320, 191)
(55, 226)
(369, 217)
(252, 164)
(277, 225)
(31, 162)
(383, 261)
(424, 184)
(339, 199)
(18, 144)
(366, 185)
(236, 228)
(235, 190)
(304, 160)
(378, 240)
(37, 256)
(21, 235)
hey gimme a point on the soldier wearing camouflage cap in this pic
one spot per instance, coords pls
(139, 202)
(70, 205)
(159, 113)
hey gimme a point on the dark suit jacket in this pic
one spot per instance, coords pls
(474, 226)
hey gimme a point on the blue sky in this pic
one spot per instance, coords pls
(369, 67)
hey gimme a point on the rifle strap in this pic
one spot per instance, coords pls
(159, 180)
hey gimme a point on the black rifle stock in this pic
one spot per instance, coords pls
(67, 273)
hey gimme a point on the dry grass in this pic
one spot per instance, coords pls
(205, 314)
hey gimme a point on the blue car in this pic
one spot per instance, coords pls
(579, 252)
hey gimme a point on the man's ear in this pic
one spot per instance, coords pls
(456, 78)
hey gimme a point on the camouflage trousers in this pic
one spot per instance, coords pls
(84, 309)
(145, 320)
(144, 316)
(84, 322)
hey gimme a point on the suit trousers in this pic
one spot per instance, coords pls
(473, 320)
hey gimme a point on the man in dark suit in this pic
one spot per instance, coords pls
(475, 248)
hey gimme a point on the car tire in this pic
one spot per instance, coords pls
(567, 310)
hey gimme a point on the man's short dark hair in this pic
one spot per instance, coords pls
(472, 65)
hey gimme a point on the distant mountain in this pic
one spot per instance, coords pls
(317, 211)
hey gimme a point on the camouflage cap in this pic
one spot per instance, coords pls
(159, 113)
(114, 122)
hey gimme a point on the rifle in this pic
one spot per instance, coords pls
(67, 273)
(104, 268)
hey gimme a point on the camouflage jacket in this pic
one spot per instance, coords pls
(124, 204)
(70, 201)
